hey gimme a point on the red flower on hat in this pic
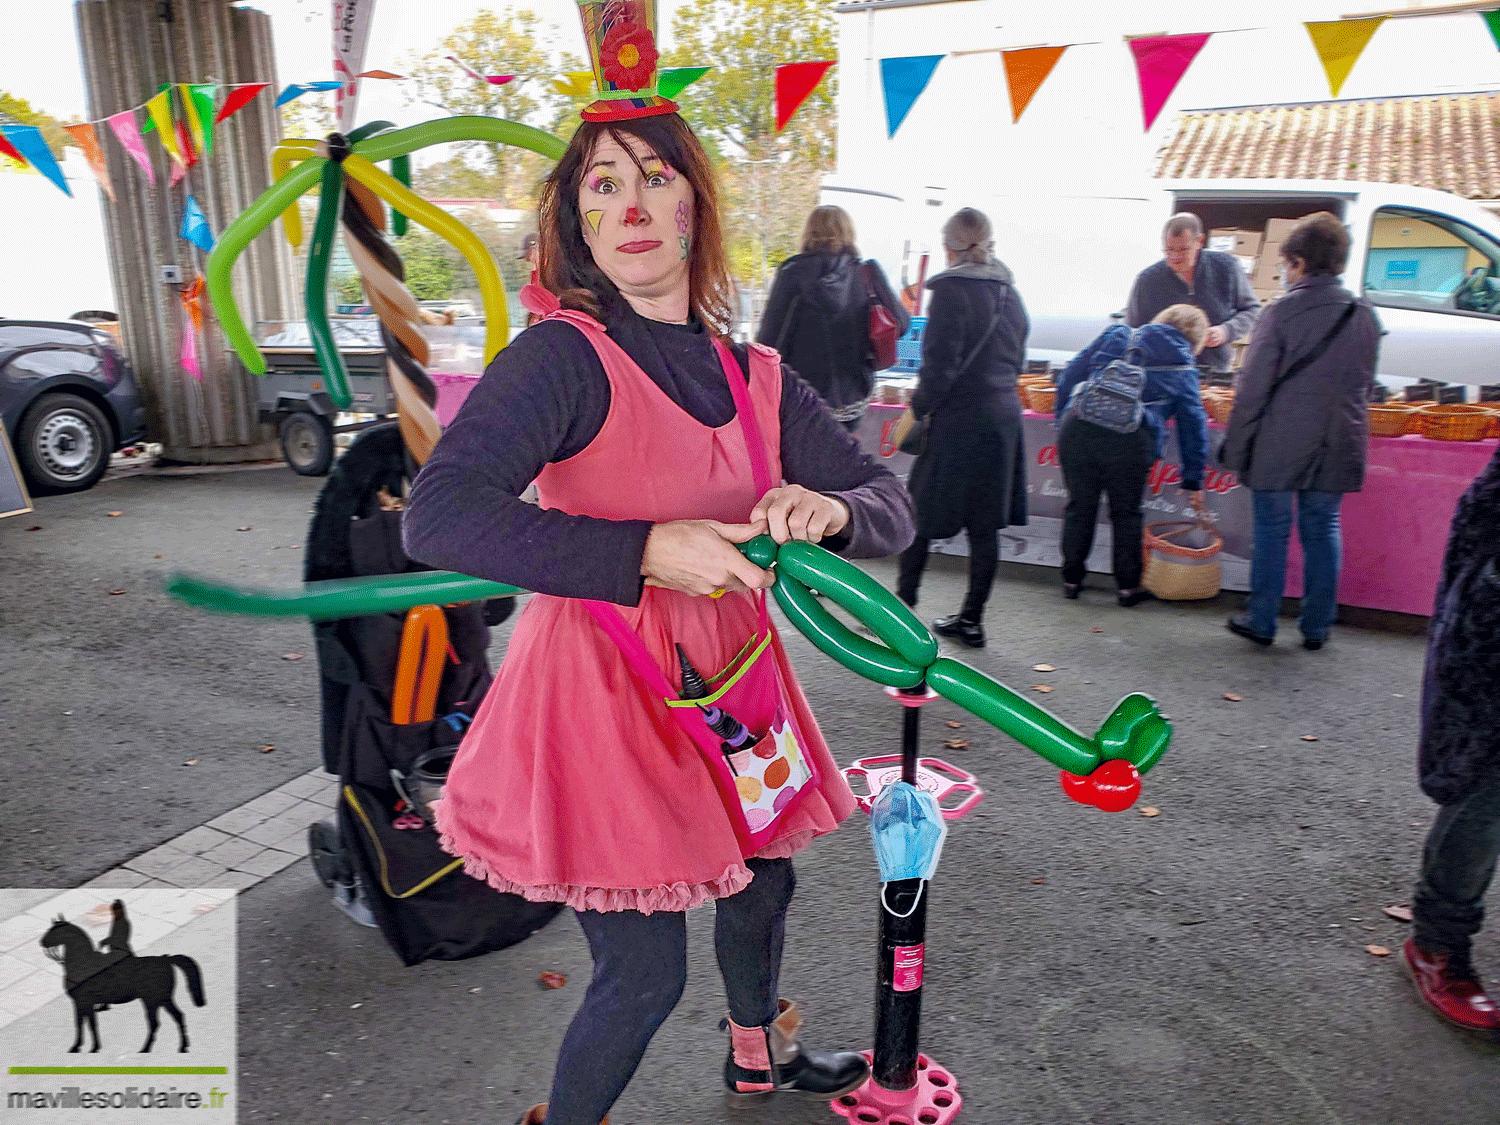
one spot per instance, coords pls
(628, 56)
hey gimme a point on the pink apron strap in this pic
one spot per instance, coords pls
(745, 409)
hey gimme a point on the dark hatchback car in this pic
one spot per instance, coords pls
(68, 399)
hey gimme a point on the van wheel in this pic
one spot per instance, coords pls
(64, 444)
(307, 444)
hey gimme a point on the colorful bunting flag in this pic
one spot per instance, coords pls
(1493, 20)
(8, 149)
(198, 108)
(297, 89)
(574, 84)
(27, 139)
(160, 110)
(795, 83)
(189, 156)
(195, 226)
(89, 143)
(1025, 71)
(379, 74)
(492, 79)
(129, 137)
(1339, 44)
(903, 80)
(1160, 63)
(673, 81)
(237, 100)
(192, 326)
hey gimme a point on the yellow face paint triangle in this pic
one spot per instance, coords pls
(594, 218)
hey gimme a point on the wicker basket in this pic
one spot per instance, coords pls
(1219, 407)
(1454, 422)
(1040, 397)
(1176, 572)
(1392, 419)
(1494, 409)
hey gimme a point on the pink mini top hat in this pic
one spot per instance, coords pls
(621, 37)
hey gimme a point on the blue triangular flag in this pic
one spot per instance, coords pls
(297, 89)
(904, 79)
(29, 143)
(195, 227)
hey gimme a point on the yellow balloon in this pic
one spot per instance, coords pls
(283, 156)
(491, 287)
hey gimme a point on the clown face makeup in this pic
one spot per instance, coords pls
(637, 220)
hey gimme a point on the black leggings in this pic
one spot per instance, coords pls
(984, 561)
(640, 969)
(1095, 461)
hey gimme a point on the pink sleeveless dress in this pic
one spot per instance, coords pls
(574, 784)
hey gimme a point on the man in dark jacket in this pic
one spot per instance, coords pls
(1298, 437)
(1460, 763)
(1191, 275)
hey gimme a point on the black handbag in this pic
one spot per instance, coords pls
(1296, 368)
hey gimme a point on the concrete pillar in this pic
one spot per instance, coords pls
(129, 48)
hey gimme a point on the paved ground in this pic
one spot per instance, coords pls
(1205, 965)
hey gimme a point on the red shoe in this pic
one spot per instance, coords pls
(1451, 990)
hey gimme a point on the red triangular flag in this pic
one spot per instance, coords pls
(185, 146)
(795, 83)
(10, 150)
(1160, 62)
(236, 100)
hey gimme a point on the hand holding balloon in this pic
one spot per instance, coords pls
(793, 512)
(700, 557)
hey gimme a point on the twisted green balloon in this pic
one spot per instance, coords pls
(904, 655)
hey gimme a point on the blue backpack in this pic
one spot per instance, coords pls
(1111, 396)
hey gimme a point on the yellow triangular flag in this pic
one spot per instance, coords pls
(574, 84)
(1339, 44)
(160, 109)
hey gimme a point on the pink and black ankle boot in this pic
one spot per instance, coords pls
(764, 1060)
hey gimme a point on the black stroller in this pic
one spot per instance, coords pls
(398, 691)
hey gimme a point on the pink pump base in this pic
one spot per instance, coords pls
(933, 1100)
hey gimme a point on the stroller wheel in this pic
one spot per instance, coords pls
(330, 861)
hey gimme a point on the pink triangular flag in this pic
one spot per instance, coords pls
(129, 136)
(1161, 61)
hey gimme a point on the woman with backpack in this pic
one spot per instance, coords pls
(1099, 455)
(818, 314)
(971, 472)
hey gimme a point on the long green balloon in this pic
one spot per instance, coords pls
(339, 597)
(1018, 717)
(835, 639)
(402, 142)
(319, 257)
(861, 595)
(1135, 731)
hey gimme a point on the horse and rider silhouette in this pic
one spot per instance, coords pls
(95, 979)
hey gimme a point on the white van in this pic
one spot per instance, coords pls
(1429, 260)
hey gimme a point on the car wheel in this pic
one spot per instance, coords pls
(307, 444)
(64, 444)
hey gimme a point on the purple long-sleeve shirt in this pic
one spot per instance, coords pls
(545, 398)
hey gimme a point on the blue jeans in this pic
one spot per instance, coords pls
(1318, 532)
(1458, 862)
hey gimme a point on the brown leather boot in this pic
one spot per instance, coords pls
(763, 1060)
(537, 1115)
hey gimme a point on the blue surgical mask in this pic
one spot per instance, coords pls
(907, 829)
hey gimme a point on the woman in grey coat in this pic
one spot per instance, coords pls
(1299, 430)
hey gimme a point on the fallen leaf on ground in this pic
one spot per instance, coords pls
(266, 749)
(1400, 913)
(1096, 629)
(552, 980)
(114, 513)
(1148, 810)
(956, 743)
(1229, 695)
(191, 762)
(1309, 738)
(1039, 881)
(247, 528)
(35, 527)
(1041, 687)
(1043, 668)
(954, 724)
(117, 591)
(156, 556)
(1377, 951)
(291, 656)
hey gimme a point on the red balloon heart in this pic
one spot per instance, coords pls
(1113, 786)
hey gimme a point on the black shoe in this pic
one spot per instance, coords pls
(961, 629)
(794, 1069)
(1239, 625)
(1135, 597)
(910, 598)
(1071, 590)
(1312, 644)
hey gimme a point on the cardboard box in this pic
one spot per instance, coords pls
(1237, 242)
(1278, 229)
(1247, 263)
(1267, 275)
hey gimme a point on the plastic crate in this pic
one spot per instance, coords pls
(909, 347)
